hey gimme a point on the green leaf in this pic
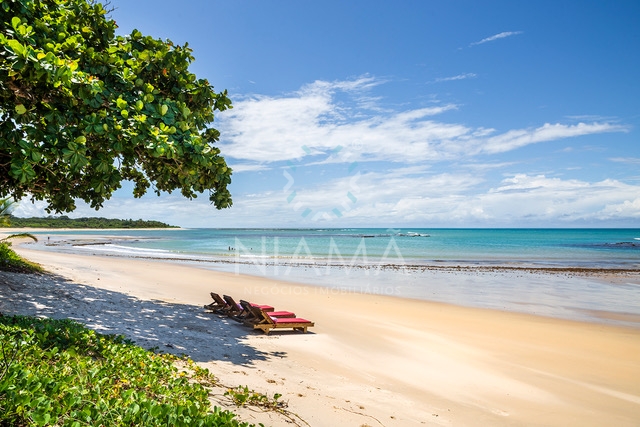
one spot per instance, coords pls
(16, 47)
(20, 109)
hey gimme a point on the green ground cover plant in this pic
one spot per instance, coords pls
(243, 395)
(57, 372)
(11, 261)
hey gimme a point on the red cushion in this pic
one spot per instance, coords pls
(291, 320)
(262, 307)
(280, 313)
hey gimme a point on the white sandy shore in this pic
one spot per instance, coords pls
(370, 360)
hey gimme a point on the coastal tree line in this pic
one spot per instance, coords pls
(64, 221)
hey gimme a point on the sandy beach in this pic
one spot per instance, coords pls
(370, 360)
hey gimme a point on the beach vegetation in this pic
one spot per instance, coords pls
(64, 221)
(6, 207)
(83, 109)
(243, 395)
(57, 372)
(11, 261)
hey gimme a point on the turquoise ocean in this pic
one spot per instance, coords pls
(433, 264)
(605, 248)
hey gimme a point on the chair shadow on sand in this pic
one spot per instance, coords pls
(169, 327)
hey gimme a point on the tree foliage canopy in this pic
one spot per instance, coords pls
(82, 109)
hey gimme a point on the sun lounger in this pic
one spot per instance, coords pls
(217, 303)
(232, 308)
(235, 310)
(251, 316)
(266, 323)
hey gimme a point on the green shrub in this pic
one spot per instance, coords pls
(11, 261)
(57, 372)
(243, 395)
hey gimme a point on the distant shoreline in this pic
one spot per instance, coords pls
(4, 230)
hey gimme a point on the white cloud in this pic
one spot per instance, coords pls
(406, 196)
(458, 77)
(630, 160)
(311, 122)
(625, 209)
(544, 199)
(243, 167)
(389, 197)
(520, 200)
(514, 139)
(271, 129)
(497, 37)
(482, 167)
(27, 209)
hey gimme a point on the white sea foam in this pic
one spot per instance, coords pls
(129, 251)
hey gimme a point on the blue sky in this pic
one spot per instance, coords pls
(424, 113)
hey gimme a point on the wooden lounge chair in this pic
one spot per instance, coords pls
(266, 323)
(232, 308)
(235, 310)
(251, 312)
(217, 303)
